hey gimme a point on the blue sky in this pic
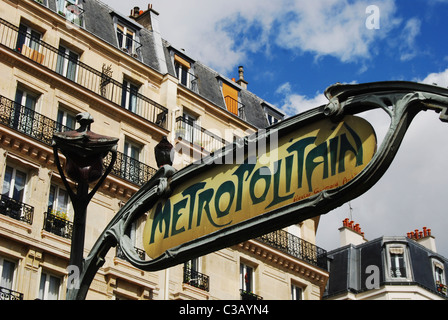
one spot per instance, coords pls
(292, 50)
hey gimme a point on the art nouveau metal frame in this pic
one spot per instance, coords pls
(401, 101)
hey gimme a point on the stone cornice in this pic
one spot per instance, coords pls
(279, 259)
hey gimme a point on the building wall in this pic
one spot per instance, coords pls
(36, 251)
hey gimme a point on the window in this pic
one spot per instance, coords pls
(397, 262)
(246, 278)
(67, 64)
(14, 183)
(7, 270)
(231, 98)
(28, 41)
(66, 120)
(127, 39)
(131, 161)
(129, 97)
(58, 202)
(296, 292)
(23, 116)
(194, 277)
(182, 74)
(49, 287)
(188, 126)
(439, 273)
(71, 10)
(193, 265)
(183, 71)
(439, 276)
(132, 150)
(271, 119)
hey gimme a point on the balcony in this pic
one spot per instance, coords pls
(197, 136)
(58, 225)
(131, 169)
(235, 107)
(196, 279)
(16, 209)
(119, 253)
(99, 82)
(42, 128)
(246, 295)
(8, 294)
(296, 247)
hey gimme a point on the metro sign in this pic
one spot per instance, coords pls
(317, 161)
(317, 157)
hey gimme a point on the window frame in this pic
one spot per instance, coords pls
(440, 280)
(10, 193)
(63, 115)
(66, 57)
(28, 39)
(393, 252)
(122, 32)
(55, 205)
(244, 268)
(70, 16)
(48, 277)
(295, 295)
(14, 273)
(130, 91)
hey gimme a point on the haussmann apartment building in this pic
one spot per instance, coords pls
(59, 58)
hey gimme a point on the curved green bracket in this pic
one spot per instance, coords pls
(402, 101)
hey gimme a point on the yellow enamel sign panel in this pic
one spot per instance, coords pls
(321, 156)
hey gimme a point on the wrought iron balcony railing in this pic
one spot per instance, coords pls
(192, 133)
(99, 82)
(296, 247)
(196, 279)
(246, 295)
(131, 169)
(42, 128)
(8, 294)
(58, 226)
(16, 209)
(119, 253)
(235, 107)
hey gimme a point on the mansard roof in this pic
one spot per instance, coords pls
(100, 20)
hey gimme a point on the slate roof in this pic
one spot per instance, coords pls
(348, 266)
(99, 21)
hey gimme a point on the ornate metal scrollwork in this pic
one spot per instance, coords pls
(402, 101)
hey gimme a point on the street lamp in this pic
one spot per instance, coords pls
(84, 151)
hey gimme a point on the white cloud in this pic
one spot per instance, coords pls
(440, 79)
(336, 28)
(222, 34)
(293, 103)
(407, 39)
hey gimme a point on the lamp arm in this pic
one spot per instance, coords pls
(71, 194)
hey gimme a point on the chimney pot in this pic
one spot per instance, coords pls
(241, 80)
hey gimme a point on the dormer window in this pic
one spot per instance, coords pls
(127, 39)
(71, 10)
(184, 72)
(398, 263)
(232, 99)
(273, 115)
(439, 276)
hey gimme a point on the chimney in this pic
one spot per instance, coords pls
(424, 238)
(241, 80)
(145, 18)
(350, 233)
